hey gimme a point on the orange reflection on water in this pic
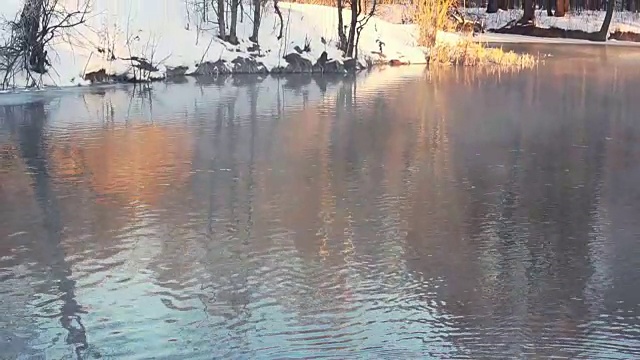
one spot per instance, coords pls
(133, 164)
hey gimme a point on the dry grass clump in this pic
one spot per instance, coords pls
(469, 53)
(431, 16)
(470, 76)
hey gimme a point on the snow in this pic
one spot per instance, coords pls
(589, 21)
(521, 39)
(164, 32)
(585, 20)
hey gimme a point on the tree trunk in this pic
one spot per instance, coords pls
(233, 22)
(352, 28)
(492, 6)
(256, 21)
(205, 11)
(528, 15)
(503, 4)
(30, 24)
(603, 34)
(222, 31)
(30, 19)
(276, 8)
(549, 6)
(363, 22)
(560, 8)
(233, 37)
(342, 37)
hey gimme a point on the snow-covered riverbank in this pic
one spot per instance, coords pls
(163, 32)
(588, 21)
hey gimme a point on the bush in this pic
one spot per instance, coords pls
(466, 52)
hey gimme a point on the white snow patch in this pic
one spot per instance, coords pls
(589, 21)
(586, 20)
(521, 39)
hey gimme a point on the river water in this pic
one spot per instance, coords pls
(406, 213)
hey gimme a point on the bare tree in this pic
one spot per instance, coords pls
(258, 10)
(233, 37)
(603, 34)
(528, 15)
(276, 7)
(361, 12)
(199, 11)
(207, 13)
(342, 44)
(224, 15)
(222, 30)
(257, 18)
(355, 11)
(492, 6)
(562, 6)
(362, 22)
(29, 37)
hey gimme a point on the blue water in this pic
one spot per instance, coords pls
(452, 213)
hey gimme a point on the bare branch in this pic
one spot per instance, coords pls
(279, 13)
(38, 24)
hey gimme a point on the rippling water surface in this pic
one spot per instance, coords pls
(402, 214)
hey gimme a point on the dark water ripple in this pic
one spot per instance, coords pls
(401, 214)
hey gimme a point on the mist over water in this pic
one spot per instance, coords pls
(457, 213)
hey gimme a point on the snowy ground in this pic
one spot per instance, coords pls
(164, 32)
(521, 39)
(589, 21)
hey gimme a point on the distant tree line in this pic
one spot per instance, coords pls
(574, 5)
(566, 5)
